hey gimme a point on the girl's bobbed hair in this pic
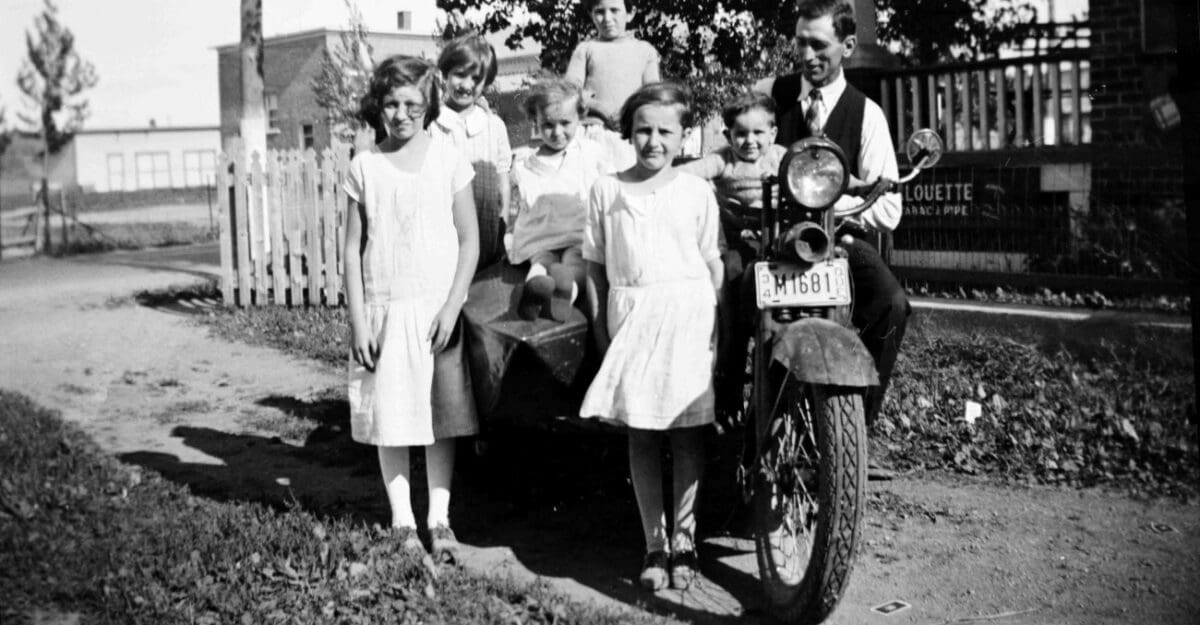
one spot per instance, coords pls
(664, 93)
(399, 71)
(470, 51)
(551, 89)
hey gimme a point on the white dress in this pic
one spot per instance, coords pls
(656, 246)
(408, 268)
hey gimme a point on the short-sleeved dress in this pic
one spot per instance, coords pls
(483, 138)
(656, 246)
(408, 269)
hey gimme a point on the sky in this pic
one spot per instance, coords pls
(156, 59)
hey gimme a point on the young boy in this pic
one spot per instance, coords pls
(550, 190)
(736, 172)
(615, 64)
(468, 66)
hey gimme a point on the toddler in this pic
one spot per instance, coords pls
(550, 188)
(736, 171)
(653, 271)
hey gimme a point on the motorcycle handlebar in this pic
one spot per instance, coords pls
(881, 186)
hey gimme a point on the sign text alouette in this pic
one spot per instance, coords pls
(939, 198)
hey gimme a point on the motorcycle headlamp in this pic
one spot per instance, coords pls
(813, 173)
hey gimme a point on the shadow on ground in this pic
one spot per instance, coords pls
(559, 498)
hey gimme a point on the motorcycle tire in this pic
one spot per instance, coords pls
(808, 498)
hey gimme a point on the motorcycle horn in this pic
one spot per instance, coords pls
(807, 240)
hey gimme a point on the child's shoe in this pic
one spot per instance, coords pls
(445, 545)
(654, 571)
(409, 542)
(684, 565)
(564, 292)
(535, 296)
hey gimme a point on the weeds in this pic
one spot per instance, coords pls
(83, 533)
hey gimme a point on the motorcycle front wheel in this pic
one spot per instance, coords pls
(808, 496)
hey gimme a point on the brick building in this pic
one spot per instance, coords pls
(1136, 142)
(290, 63)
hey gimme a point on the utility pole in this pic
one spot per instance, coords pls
(253, 126)
(254, 116)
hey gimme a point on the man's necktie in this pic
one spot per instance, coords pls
(813, 117)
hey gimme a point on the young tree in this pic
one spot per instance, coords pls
(53, 78)
(344, 77)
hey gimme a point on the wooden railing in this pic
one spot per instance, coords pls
(994, 105)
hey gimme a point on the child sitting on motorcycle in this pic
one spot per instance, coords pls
(550, 188)
(736, 172)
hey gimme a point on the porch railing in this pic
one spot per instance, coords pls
(994, 105)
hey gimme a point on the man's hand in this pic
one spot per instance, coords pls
(858, 187)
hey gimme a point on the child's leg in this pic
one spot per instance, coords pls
(572, 257)
(687, 450)
(393, 463)
(645, 469)
(439, 469)
(539, 286)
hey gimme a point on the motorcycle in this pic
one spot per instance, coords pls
(805, 471)
(806, 477)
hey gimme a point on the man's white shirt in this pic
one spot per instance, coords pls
(876, 155)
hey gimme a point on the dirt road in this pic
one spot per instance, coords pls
(244, 423)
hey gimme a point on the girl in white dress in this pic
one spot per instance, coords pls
(411, 247)
(654, 271)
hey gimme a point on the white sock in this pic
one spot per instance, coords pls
(439, 469)
(393, 463)
(535, 270)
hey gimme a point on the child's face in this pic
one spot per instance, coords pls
(752, 133)
(557, 123)
(464, 85)
(610, 18)
(657, 135)
(403, 111)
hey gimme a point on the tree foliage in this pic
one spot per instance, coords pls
(721, 46)
(716, 47)
(925, 32)
(53, 78)
(344, 77)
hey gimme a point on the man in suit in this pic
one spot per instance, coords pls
(817, 100)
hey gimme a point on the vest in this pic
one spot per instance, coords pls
(843, 126)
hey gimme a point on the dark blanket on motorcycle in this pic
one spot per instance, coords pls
(497, 337)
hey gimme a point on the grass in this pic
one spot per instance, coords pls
(1073, 403)
(1081, 404)
(124, 236)
(82, 535)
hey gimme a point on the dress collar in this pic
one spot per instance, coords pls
(471, 123)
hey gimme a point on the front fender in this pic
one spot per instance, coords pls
(819, 351)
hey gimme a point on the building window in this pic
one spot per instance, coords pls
(271, 100)
(116, 172)
(153, 170)
(404, 20)
(199, 168)
(307, 136)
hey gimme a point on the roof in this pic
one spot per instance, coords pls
(322, 33)
(111, 131)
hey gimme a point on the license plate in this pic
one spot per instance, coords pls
(826, 283)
